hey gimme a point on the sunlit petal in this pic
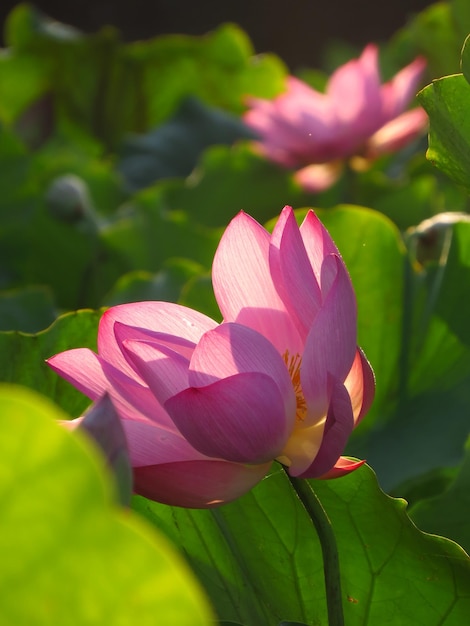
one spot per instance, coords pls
(82, 368)
(397, 133)
(240, 418)
(164, 317)
(233, 349)
(331, 344)
(292, 272)
(360, 384)
(343, 466)
(338, 427)
(243, 285)
(197, 484)
(164, 371)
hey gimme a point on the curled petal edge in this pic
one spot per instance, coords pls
(342, 467)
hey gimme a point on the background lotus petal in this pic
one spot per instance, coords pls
(399, 91)
(318, 177)
(397, 133)
(357, 83)
(315, 132)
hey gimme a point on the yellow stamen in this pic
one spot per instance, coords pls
(293, 365)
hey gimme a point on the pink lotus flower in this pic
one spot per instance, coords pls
(207, 407)
(355, 116)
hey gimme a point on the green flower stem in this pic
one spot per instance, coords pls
(324, 529)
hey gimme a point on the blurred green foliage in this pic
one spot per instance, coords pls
(69, 555)
(120, 165)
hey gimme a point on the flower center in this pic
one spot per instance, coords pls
(293, 366)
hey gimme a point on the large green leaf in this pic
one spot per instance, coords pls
(447, 101)
(413, 327)
(425, 433)
(412, 196)
(434, 368)
(375, 257)
(29, 310)
(465, 60)
(69, 556)
(23, 357)
(447, 514)
(260, 561)
(453, 305)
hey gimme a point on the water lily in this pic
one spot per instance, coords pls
(207, 407)
(357, 115)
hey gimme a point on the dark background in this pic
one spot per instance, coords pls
(294, 29)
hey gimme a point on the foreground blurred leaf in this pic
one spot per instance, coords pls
(103, 424)
(68, 555)
(391, 572)
(434, 367)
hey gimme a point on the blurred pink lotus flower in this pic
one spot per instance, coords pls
(314, 131)
(207, 407)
